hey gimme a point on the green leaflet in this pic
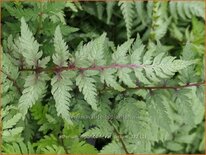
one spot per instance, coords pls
(97, 133)
(184, 106)
(158, 111)
(54, 149)
(92, 53)
(160, 21)
(30, 45)
(87, 87)
(83, 148)
(61, 49)
(185, 11)
(138, 123)
(112, 148)
(124, 75)
(28, 14)
(9, 70)
(109, 9)
(11, 132)
(61, 85)
(35, 87)
(10, 123)
(46, 141)
(157, 67)
(19, 148)
(128, 14)
(108, 78)
(119, 56)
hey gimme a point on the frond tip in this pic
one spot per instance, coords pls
(128, 14)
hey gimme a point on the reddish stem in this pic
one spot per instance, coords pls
(171, 87)
(58, 69)
(72, 67)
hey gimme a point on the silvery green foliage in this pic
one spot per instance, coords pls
(133, 80)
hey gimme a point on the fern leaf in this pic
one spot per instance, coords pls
(108, 78)
(119, 56)
(72, 6)
(109, 10)
(160, 21)
(9, 70)
(158, 111)
(124, 76)
(134, 118)
(112, 148)
(184, 106)
(96, 55)
(54, 149)
(46, 141)
(61, 85)
(141, 11)
(92, 53)
(82, 148)
(87, 87)
(127, 9)
(18, 148)
(136, 58)
(61, 49)
(12, 135)
(29, 44)
(100, 9)
(186, 11)
(97, 133)
(35, 87)
(159, 68)
(11, 122)
(28, 14)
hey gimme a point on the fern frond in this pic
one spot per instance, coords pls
(160, 21)
(54, 149)
(11, 122)
(83, 148)
(127, 9)
(97, 133)
(11, 130)
(134, 118)
(184, 106)
(35, 87)
(92, 53)
(119, 56)
(12, 135)
(9, 71)
(46, 141)
(61, 85)
(186, 11)
(18, 148)
(141, 12)
(100, 9)
(112, 148)
(158, 111)
(73, 6)
(18, 13)
(160, 67)
(87, 87)
(61, 49)
(109, 10)
(29, 44)
(108, 78)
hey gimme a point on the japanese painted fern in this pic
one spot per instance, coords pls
(109, 78)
